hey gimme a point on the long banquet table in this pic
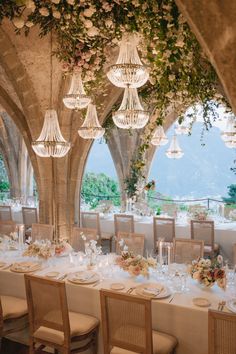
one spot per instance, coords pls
(225, 233)
(180, 318)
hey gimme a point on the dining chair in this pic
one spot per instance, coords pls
(134, 242)
(127, 326)
(170, 209)
(123, 223)
(185, 250)
(7, 227)
(5, 213)
(221, 332)
(13, 315)
(42, 232)
(163, 228)
(30, 216)
(91, 220)
(52, 324)
(204, 230)
(76, 237)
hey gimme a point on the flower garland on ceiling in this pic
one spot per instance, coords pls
(89, 30)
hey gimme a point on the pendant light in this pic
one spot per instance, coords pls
(76, 97)
(159, 137)
(174, 151)
(91, 128)
(131, 113)
(50, 142)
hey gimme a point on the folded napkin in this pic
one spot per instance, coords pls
(152, 291)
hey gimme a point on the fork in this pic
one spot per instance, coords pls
(219, 305)
(223, 303)
(63, 277)
(129, 291)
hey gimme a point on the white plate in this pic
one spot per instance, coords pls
(117, 286)
(231, 305)
(201, 302)
(81, 278)
(25, 267)
(2, 264)
(148, 291)
(52, 274)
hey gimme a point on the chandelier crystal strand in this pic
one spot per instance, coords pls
(91, 128)
(76, 97)
(128, 69)
(174, 151)
(131, 113)
(159, 138)
(50, 142)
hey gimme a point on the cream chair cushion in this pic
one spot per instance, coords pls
(208, 249)
(13, 307)
(79, 324)
(162, 344)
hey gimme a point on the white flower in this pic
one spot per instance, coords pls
(83, 236)
(121, 242)
(89, 12)
(202, 262)
(126, 248)
(171, 77)
(219, 259)
(88, 24)
(30, 5)
(108, 23)
(55, 1)
(18, 22)
(208, 262)
(56, 14)
(44, 11)
(70, 2)
(93, 31)
(29, 24)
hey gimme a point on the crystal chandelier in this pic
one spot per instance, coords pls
(128, 69)
(50, 142)
(229, 135)
(76, 97)
(91, 128)
(159, 138)
(181, 129)
(131, 113)
(174, 151)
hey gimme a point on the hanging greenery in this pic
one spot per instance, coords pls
(88, 30)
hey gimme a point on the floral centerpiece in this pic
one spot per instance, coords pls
(135, 265)
(9, 241)
(201, 215)
(63, 248)
(42, 249)
(208, 272)
(92, 250)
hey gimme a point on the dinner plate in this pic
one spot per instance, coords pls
(85, 278)
(25, 267)
(2, 264)
(201, 302)
(153, 291)
(231, 305)
(117, 286)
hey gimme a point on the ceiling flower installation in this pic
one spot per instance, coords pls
(87, 31)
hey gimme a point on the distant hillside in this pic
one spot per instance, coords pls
(202, 171)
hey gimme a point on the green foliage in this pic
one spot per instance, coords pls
(97, 187)
(4, 186)
(232, 194)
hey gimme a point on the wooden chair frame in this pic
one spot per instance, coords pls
(24, 218)
(184, 240)
(155, 232)
(9, 209)
(107, 343)
(16, 322)
(77, 230)
(10, 223)
(128, 235)
(65, 348)
(208, 222)
(123, 216)
(213, 316)
(43, 226)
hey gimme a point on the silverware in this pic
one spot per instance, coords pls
(129, 291)
(223, 303)
(171, 299)
(63, 277)
(219, 305)
(97, 282)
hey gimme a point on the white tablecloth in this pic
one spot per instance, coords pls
(225, 233)
(180, 318)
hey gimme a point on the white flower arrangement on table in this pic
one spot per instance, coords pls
(9, 241)
(63, 248)
(134, 265)
(43, 249)
(91, 248)
(208, 272)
